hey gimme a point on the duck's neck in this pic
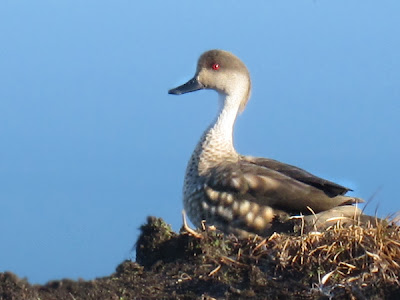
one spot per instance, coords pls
(221, 130)
(216, 144)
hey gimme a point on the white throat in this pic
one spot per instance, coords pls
(222, 127)
(216, 144)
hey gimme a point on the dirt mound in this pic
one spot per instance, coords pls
(358, 262)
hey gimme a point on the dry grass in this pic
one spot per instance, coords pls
(362, 255)
(360, 261)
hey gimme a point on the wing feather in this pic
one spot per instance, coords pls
(330, 188)
(267, 185)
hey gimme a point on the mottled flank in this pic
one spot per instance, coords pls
(244, 194)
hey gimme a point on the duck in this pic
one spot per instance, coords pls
(242, 194)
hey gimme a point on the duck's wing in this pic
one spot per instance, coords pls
(249, 181)
(328, 187)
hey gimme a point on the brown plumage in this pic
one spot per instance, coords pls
(244, 194)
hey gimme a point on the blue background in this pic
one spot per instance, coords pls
(91, 143)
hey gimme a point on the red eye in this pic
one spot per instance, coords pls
(215, 66)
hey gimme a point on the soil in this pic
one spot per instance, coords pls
(341, 263)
